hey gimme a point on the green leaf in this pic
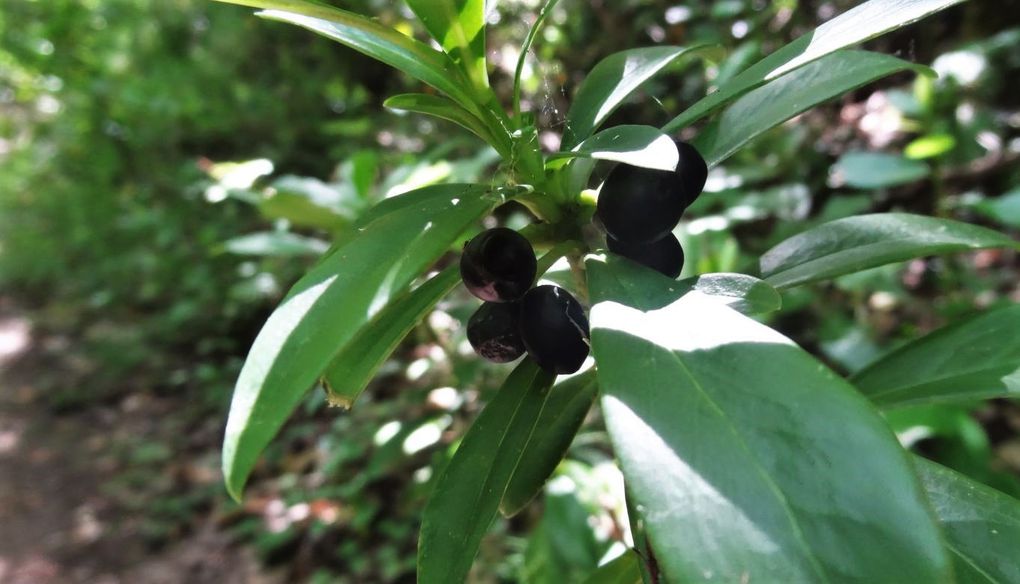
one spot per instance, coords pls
(459, 27)
(565, 410)
(853, 244)
(375, 40)
(467, 494)
(853, 27)
(771, 480)
(610, 82)
(778, 101)
(356, 364)
(877, 170)
(929, 146)
(441, 107)
(981, 525)
(331, 303)
(1005, 209)
(978, 358)
(275, 243)
(623, 570)
(642, 146)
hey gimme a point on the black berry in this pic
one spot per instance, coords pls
(554, 329)
(498, 265)
(692, 170)
(494, 332)
(664, 256)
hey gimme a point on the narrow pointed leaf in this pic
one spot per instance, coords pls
(565, 410)
(781, 99)
(713, 434)
(373, 39)
(981, 525)
(459, 27)
(357, 363)
(441, 107)
(610, 82)
(863, 22)
(978, 358)
(642, 146)
(849, 245)
(467, 494)
(330, 304)
(623, 570)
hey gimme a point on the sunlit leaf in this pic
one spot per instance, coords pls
(642, 146)
(275, 243)
(459, 27)
(441, 107)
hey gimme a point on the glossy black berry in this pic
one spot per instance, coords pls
(554, 329)
(494, 331)
(664, 256)
(641, 205)
(498, 265)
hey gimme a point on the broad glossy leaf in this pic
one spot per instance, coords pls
(275, 243)
(447, 109)
(849, 245)
(610, 82)
(355, 365)
(778, 101)
(863, 22)
(642, 146)
(459, 27)
(772, 480)
(981, 525)
(877, 170)
(565, 410)
(623, 570)
(331, 303)
(373, 39)
(975, 359)
(467, 494)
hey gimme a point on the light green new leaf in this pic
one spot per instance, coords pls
(355, 365)
(877, 170)
(778, 101)
(727, 428)
(974, 359)
(623, 570)
(459, 27)
(610, 82)
(642, 146)
(331, 303)
(852, 244)
(441, 107)
(565, 410)
(863, 22)
(981, 525)
(467, 495)
(375, 40)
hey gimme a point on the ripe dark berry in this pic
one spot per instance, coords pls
(641, 205)
(554, 329)
(494, 332)
(664, 256)
(498, 265)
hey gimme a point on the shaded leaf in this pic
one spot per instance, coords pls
(974, 359)
(441, 107)
(275, 243)
(876, 170)
(712, 435)
(853, 244)
(623, 570)
(467, 494)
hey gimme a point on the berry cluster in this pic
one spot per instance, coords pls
(639, 207)
(499, 267)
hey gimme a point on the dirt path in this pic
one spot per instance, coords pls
(57, 522)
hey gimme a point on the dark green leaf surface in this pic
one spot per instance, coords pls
(642, 146)
(441, 107)
(331, 303)
(849, 245)
(975, 359)
(863, 22)
(565, 410)
(467, 495)
(622, 570)
(356, 364)
(459, 27)
(794, 93)
(610, 82)
(877, 170)
(772, 480)
(981, 525)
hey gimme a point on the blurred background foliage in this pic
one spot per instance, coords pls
(169, 167)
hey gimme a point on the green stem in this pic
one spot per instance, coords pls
(556, 252)
(524, 53)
